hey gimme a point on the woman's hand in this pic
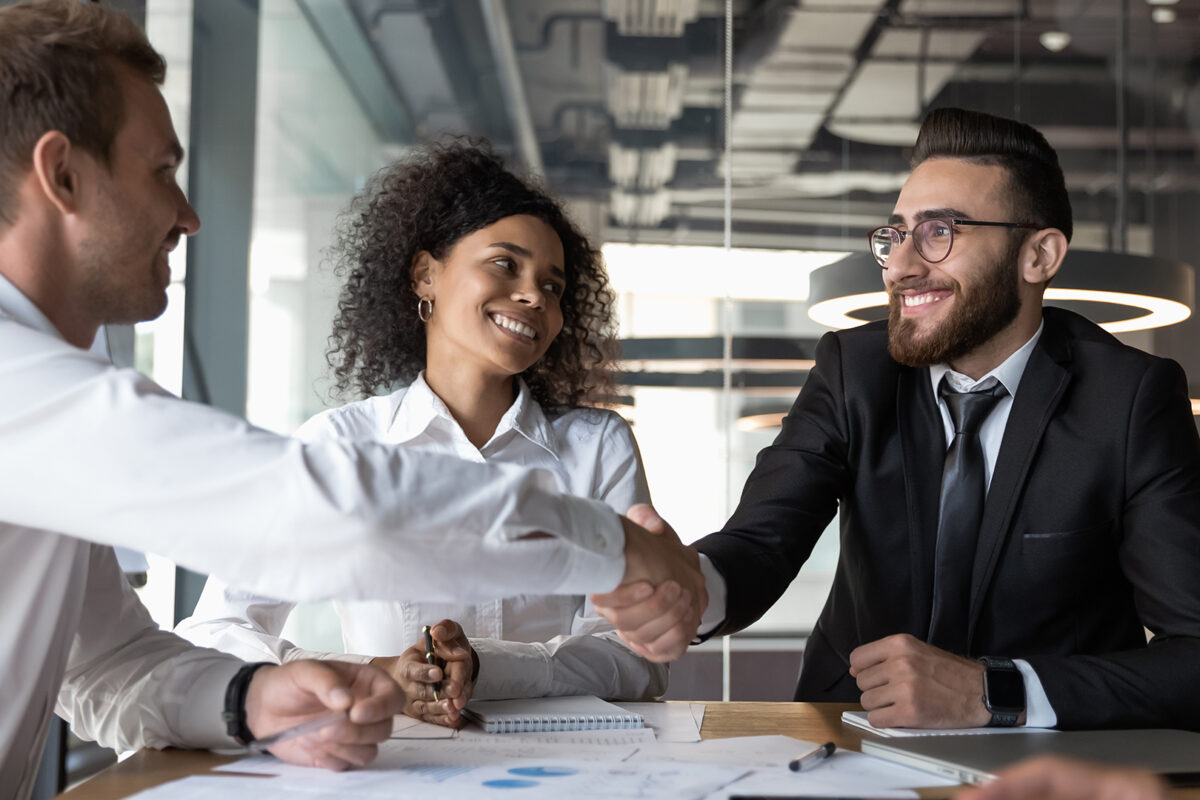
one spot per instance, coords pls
(456, 670)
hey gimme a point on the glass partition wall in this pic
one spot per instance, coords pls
(720, 152)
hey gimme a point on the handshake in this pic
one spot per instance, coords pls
(657, 608)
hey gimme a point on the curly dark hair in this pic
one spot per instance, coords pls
(428, 201)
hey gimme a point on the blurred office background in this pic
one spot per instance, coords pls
(722, 152)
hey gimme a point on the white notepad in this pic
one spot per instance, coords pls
(542, 714)
(859, 720)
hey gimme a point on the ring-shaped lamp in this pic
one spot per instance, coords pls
(1104, 287)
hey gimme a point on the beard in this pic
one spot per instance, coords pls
(980, 312)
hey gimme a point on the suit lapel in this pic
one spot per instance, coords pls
(923, 442)
(1042, 386)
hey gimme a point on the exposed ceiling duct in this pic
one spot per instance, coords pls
(793, 77)
(624, 98)
(645, 99)
(651, 17)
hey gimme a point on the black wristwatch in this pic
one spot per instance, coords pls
(235, 704)
(1003, 691)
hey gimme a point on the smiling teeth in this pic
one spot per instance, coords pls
(920, 299)
(513, 325)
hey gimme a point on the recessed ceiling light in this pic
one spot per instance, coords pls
(1163, 15)
(1055, 41)
(1161, 2)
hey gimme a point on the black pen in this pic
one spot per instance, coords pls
(812, 758)
(430, 658)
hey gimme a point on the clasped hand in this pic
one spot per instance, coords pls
(907, 683)
(657, 608)
(455, 671)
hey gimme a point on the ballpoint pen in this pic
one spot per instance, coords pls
(323, 721)
(812, 758)
(430, 658)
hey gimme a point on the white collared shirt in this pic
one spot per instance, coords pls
(100, 454)
(528, 645)
(1008, 373)
(1038, 711)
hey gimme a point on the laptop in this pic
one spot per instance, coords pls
(977, 758)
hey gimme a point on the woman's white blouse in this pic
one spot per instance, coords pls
(528, 645)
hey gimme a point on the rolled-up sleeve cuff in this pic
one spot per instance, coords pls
(597, 561)
(1038, 711)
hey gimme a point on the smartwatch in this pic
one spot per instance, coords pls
(1003, 691)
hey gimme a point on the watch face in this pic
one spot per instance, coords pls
(1005, 690)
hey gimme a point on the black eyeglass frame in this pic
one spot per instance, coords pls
(952, 222)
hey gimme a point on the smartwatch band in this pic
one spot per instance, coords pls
(1003, 715)
(235, 703)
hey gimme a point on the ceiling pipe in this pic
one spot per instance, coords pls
(1121, 227)
(513, 87)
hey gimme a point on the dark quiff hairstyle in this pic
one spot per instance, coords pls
(57, 60)
(428, 201)
(1037, 189)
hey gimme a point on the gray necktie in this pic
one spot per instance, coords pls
(960, 511)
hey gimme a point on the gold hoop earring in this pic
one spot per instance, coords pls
(424, 309)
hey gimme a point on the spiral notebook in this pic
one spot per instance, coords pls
(543, 714)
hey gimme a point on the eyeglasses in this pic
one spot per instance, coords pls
(933, 238)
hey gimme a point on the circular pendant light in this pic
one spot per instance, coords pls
(1117, 291)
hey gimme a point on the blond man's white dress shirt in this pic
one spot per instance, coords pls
(92, 453)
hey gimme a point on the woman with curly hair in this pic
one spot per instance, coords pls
(474, 302)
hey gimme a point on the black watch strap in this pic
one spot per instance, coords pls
(235, 703)
(1003, 691)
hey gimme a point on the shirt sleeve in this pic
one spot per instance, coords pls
(714, 583)
(592, 659)
(128, 684)
(620, 476)
(578, 663)
(1038, 711)
(246, 625)
(272, 514)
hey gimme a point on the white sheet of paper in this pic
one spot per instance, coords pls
(777, 784)
(698, 714)
(228, 787)
(844, 774)
(405, 727)
(479, 750)
(671, 722)
(859, 720)
(744, 751)
(485, 769)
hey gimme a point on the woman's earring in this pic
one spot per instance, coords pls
(424, 309)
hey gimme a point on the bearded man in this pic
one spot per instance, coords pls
(1019, 492)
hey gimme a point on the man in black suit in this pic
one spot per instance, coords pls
(1039, 532)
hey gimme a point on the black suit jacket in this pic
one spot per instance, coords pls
(1091, 528)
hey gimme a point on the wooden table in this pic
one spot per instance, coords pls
(814, 722)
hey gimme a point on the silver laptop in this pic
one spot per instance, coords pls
(976, 758)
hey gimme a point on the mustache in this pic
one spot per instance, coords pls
(920, 287)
